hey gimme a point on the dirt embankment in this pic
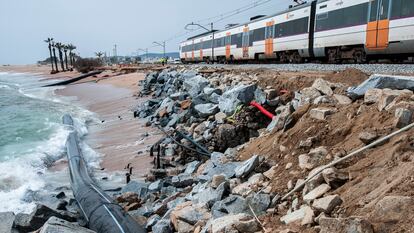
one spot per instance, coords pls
(380, 172)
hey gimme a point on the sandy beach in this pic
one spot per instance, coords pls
(119, 138)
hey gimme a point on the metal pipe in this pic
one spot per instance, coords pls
(333, 163)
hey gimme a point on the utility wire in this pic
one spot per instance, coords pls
(219, 18)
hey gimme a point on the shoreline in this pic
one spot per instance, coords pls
(118, 137)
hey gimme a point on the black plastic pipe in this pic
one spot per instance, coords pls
(74, 79)
(101, 212)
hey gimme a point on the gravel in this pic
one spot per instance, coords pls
(367, 68)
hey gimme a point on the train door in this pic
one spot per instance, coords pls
(201, 50)
(378, 25)
(192, 50)
(269, 35)
(245, 42)
(228, 45)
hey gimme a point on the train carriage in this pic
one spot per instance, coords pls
(332, 30)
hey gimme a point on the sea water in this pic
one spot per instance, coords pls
(32, 138)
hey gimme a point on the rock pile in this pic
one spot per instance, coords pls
(215, 196)
(217, 193)
(211, 109)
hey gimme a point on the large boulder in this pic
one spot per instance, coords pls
(129, 198)
(320, 113)
(379, 81)
(297, 215)
(392, 209)
(235, 223)
(233, 204)
(6, 222)
(206, 110)
(39, 216)
(136, 187)
(226, 136)
(334, 177)
(240, 94)
(316, 193)
(327, 204)
(182, 180)
(209, 195)
(162, 226)
(322, 86)
(259, 202)
(188, 214)
(403, 117)
(54, 225)
(345, 225)
(195, 85)
(247, 166)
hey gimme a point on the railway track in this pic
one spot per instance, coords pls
(396, 69)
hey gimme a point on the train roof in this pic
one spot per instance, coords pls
(202, 34)
(259, 19)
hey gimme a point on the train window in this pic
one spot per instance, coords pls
(239, 40)
(402, 9)
(322, 16)
(291, 28)
(228, 40)
(345, 17)
(245, 39)
(258, 34)
(250, 38)
(234, 39)
(207, 44)
(374, 11)
(219, 42)
(384, 9)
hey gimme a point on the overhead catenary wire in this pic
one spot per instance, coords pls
(352, 154)
(218, 18)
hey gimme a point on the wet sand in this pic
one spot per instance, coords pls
(120, 138)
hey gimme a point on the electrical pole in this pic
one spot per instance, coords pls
(211, 30)
(115, 54)
(146, 53)
(212, 43)
(162, 44)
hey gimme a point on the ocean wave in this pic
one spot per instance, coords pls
(21, 175)
(3, 86)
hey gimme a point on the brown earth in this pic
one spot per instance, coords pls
(385, 170)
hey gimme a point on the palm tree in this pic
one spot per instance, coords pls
(99, 55)
(54, 56)
(50, 41)
(65, 49)
(59, 46)
(71, 47)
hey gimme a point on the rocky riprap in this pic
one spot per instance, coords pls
(208, 187)
(196, 192)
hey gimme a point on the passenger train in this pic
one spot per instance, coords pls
(330, 30)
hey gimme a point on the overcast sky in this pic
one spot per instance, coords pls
(96, 25)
